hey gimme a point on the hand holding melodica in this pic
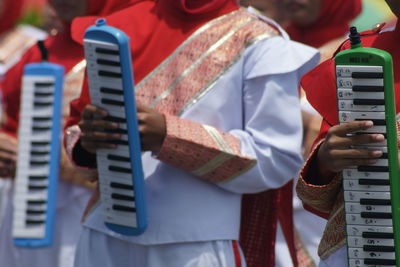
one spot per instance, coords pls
(8, 155)
(96, 129)
(336, 152)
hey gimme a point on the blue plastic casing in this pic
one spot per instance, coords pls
(57, 71)
(102, 32)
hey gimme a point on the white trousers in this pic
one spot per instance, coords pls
(60, 254)
(96, 249)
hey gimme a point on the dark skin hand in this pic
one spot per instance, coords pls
(336, 153)
(152, 129)
(8, 155)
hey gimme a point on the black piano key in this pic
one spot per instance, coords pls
(122, 197)
(106, 51)
(118, 142)
(115, 119)
(121, 186)
(123, 208)
(112, 102)
(35, 212)
(373, 182)
(43, 84)
(373, 168)
(31, 221)
(119, 169)
(116, 131)
(380, 202)
(374, 235)
(43, 94)
(376, 215)
(37, 177)
(367, 88)
(367, 75)
(375, 121)
(40, 153)
(380, 262)
(37, 187)
(41, 128)
(36, 202)
(108, 62)
(384, 156)
(118, 158)
(110, 74)
(41, 119)
(111, 91)
(39, 162)
(378, 248)
(40, 143)
(372, 102)
(42, 104)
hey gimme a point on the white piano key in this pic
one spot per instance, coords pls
(121, 218)
(357, 230)
(348, 105)
(346, 82)
(354, 207)
(354, 185)
(347, 70)
(358, 253)
(348, 116)
(355, 196)
(358, 242)
(32, 196)
(349, 94)
(360, 263)
(355, 219)
(31, 232)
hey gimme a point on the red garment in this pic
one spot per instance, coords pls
(332, 23)
(164, 19)
(11, 90)
(11, 12)
(102, 8)
(62, 50)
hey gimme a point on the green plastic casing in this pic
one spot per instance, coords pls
(365, 56)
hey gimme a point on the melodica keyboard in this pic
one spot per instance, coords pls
(39, 138)
(111, 84)
(365, 91)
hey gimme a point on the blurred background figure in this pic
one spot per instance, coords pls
(273, 9)
(15, 39)
(74, 187)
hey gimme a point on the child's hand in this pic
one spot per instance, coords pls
(8, 155)
(336, 152)
(96, 130)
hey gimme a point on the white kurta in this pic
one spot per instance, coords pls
(256, 101)
(71, 201)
